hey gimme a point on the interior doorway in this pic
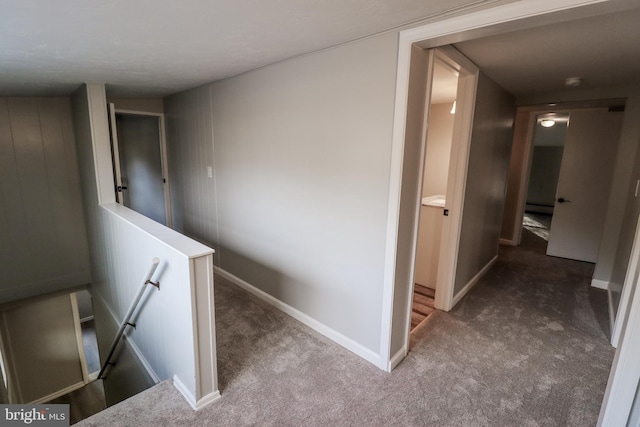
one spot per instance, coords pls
(549, 136)
(140, 163)
(579, 148)
(441, 135)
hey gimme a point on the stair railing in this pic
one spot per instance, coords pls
(126, 322)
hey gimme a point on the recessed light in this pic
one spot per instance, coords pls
(547, 123)
(573, 81)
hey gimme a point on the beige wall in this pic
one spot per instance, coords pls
(519, 154)
(44, 245)
(439, 135)
(41, 348)
(486, 180)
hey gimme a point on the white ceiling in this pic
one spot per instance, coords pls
(151, 48)
(603, 50)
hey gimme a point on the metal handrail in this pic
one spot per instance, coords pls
(127, 317)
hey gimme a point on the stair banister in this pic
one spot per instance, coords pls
(127, 317)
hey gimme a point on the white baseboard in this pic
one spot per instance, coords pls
(59, 393)
(190, 398)
(600, 284)
(127, 338)
(473, 281)
(319, 327)
(508, 242)
(397, 358)
(612, 319)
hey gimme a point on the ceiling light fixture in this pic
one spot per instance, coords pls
(453, 109)
(547, 123)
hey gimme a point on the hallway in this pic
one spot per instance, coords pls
(527, 346)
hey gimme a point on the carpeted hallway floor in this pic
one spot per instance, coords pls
(526, 347)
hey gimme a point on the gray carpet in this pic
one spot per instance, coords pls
(526, 347)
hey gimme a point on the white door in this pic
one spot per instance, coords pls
(584, 182)
(138, 163)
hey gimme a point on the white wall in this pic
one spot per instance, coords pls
(43, 245)
(486, 180)
(301, 156)
(175, 333)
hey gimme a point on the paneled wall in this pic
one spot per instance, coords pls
(190, 146)
(43, 243)
(175, 331)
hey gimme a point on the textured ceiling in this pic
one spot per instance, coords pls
(148, 47)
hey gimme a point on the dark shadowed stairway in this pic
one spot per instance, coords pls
(526, 347)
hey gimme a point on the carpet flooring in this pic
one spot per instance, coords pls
(526, 347)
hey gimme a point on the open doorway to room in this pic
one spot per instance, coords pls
(548, 145)
(439, 136)
(566, 175)
(139, 153)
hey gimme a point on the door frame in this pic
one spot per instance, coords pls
(163, 155)
(492, 20)
(532, 111)
(456, 180)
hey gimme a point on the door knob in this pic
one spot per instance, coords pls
(563, 200)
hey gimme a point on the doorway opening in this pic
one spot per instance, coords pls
(549, 136)
(436, 154)
(139, 153)
(566, 175)
(439, 137)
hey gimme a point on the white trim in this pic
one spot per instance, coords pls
(128, 339)
(143, 360)
(507, 242)
(115, 151)
(162, 141)
(397, 358)
(474, 280)
(437, 33)
(625, 372)
(314, 324)
(79, 341)
(612, 319)
(431, 60)
(600, 284)
(136, 112)
(195, 404)
(87, 319)
(457, 179)
(59, 393)
(631, 277)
